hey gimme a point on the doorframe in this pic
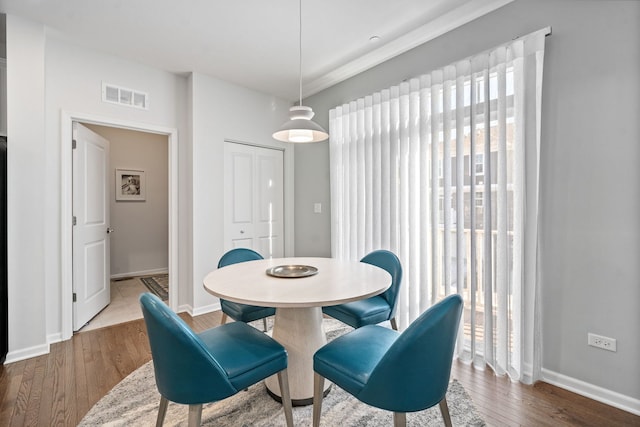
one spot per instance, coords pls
(66, 203)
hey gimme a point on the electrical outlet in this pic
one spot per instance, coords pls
(599, 341)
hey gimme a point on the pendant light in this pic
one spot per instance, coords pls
(300, 127)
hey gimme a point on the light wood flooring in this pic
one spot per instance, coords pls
(60, 388)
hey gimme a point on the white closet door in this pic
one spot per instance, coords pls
(254, 199)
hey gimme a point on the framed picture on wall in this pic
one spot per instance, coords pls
(130, 184)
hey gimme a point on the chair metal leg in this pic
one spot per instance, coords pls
(394, 324)
(399, 419)
(318, 394)
(223, 319)
(264, 324)
(162, 411)
(283, 382)
(445, 412)
(195, 415)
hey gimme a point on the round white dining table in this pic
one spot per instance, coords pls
(298, 302)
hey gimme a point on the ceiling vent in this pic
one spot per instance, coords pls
(122, 96)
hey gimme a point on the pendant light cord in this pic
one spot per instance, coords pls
(300, 127)
(300, 49)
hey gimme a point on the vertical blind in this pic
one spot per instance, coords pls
(443, 170)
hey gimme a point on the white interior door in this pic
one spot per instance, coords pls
(91, 264)
(254, 199)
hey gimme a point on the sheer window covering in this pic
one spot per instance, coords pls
(443, 170)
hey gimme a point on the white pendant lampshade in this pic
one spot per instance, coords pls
(300, 128)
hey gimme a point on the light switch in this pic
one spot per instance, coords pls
(317, 208)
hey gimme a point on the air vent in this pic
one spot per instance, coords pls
(123, 96)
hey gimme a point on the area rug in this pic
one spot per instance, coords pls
(134, 401)
(159, 285)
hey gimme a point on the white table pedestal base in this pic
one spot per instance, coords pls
(301, 332)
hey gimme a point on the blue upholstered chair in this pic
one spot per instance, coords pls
(193, 369)
(398, 372)
(242, 312)
(376, 309)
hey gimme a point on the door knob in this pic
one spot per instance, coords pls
(110, 230)
(241, 231)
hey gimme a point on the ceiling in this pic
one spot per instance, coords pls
(253, 43)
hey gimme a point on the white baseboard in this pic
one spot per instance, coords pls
(204, 310)
(139, 273)
(27, 353)
(54, 338)
(609, 397)
(184, 308)
(39, 350)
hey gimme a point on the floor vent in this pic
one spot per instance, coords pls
(123, 96)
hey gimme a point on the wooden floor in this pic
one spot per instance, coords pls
(59, 388)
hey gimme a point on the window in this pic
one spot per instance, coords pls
(479, 164)
(470, 120)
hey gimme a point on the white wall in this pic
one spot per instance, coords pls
(140, 242)
(49, 76)
(74, 77)
(220, 111)
(26, 169)
(590, 203)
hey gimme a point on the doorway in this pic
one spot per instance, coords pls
(67, 212)
(139, 229)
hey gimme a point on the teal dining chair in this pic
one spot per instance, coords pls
(376, 309)
(193, 369)
(242, 312)
(398, 372)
